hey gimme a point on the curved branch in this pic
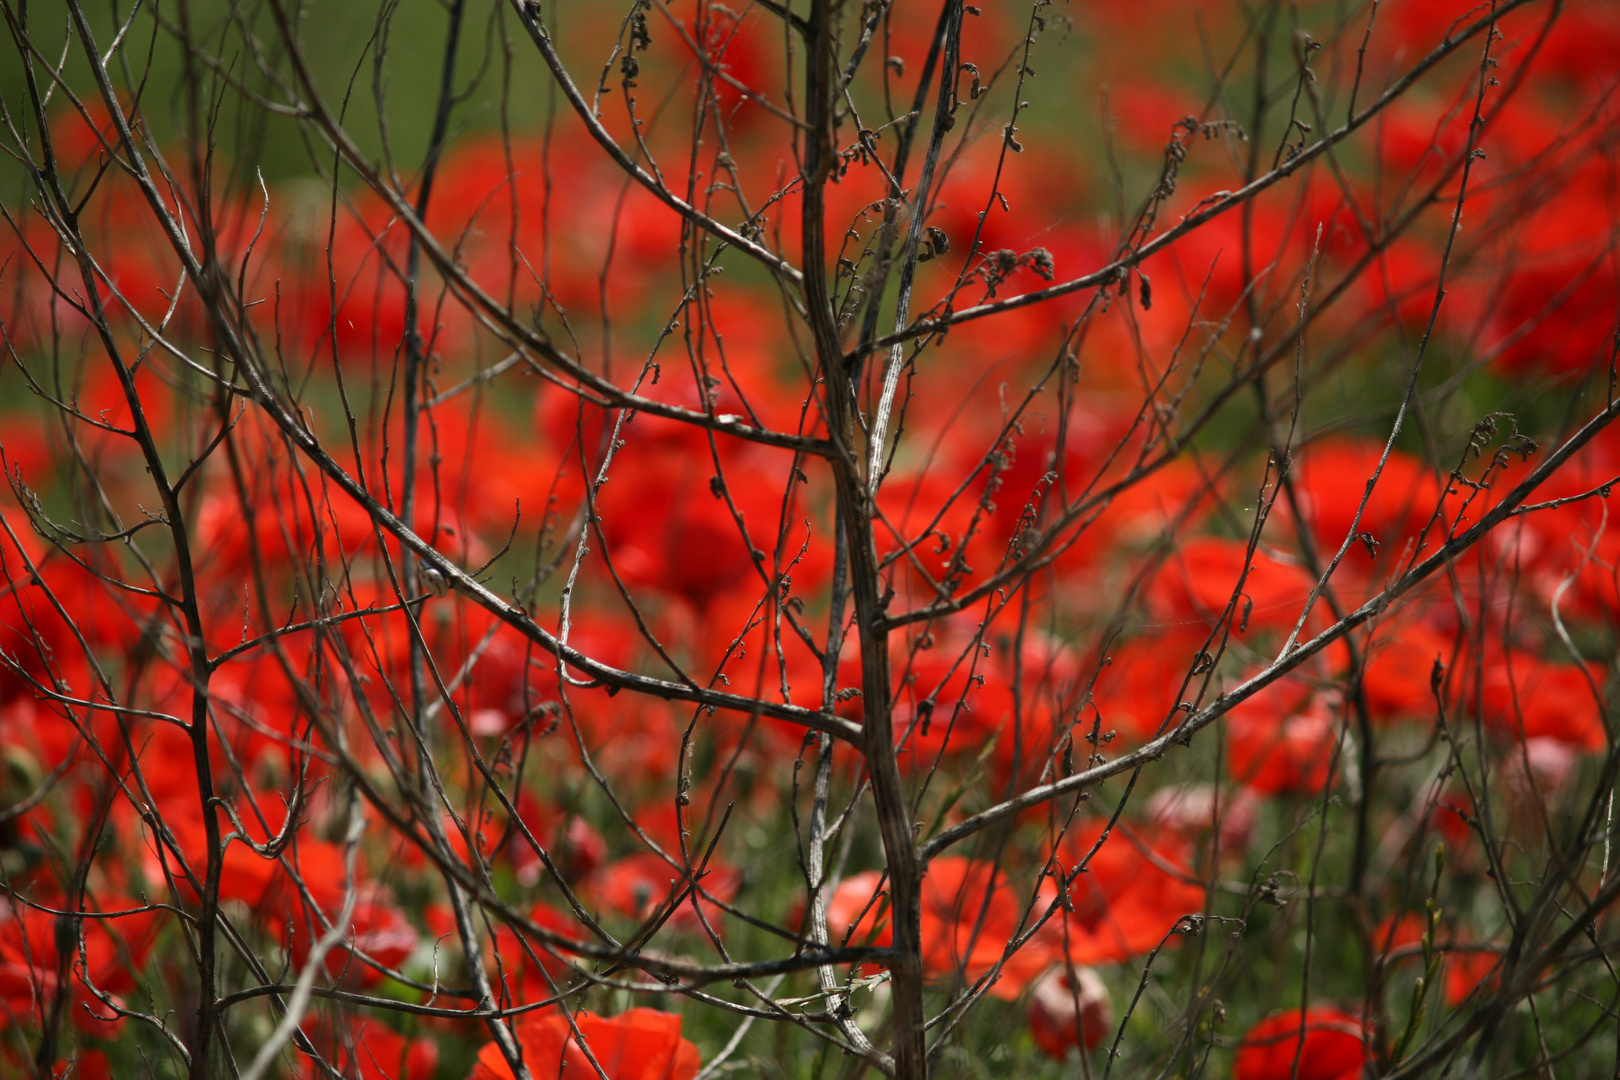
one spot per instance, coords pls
(529, 15)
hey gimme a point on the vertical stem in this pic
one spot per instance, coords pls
(897, 170)
(410, 587)
(413, 344)
(174, 518)
(855, 508)
(951, 20)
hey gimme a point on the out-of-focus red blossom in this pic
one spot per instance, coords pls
(1178, 494)
(1145, 113)
(1470, 968)
(1418, 138)
(1284, 227)
(963, 698)
(1577, 54)
(85, 1064)
(1289, 750)
(81, 136)
(1552, 315)
(1331, 480)
(32, 628)
(1327, 1043)
(957, 699)
(89, 1065)
(264, 884)
(1199, 578)
(1534, 297)
(116, 946)
(970, 528)
(1068, 1009)
(369, 1050)
(663, 823)
(1397, 680)
(640, 883)
(474, 196)
(378, 929)
(857, 913)
(1530, 698)
(1570, 550)
(482, 832)
(24, 991)
(1137, 690)
(1400, 286)
(1451, 818)
(969, 913)
(531, 978)
(230, 547)
(551, 959)
(638, 1044)
(669, 526)
(572, 844)
(1134, 891)
(730, 45)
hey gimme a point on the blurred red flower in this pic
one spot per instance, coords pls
(1329, 1044)
(1530, 698)
(969, 913)
(1068, 1006)
(637, 884)
(638, 1044)
(1135, 889)
(1277, 751)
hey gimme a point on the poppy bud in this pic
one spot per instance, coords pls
(1068, 1005)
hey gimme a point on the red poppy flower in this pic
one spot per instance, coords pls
(1137, 691)
(969, 913)
(1332, 481)
(369, 1050)
(1400, 667)
(637, 884)
(1531, 698)
(115, 947)
(1134, 891)
(1291, 752)
(1332, 1047)
(1197, 582)
(729, 43)
(639, 1044)
(29, 961)
(377, 928)
(1469, 967)
(574, 846)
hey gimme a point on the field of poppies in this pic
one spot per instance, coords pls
(808, 539)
